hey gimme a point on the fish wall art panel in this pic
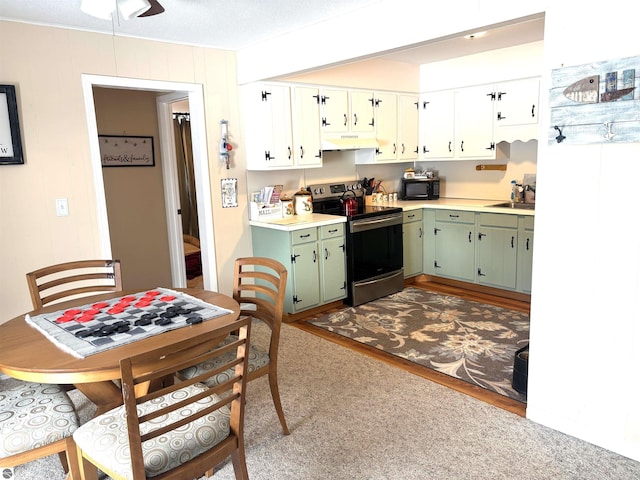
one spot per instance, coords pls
(595, 103)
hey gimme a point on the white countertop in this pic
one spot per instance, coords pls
(298, 222)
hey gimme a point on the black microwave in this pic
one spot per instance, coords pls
(420, 189)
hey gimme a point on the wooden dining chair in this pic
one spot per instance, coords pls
(259, 286)
(64, 280)
(181, 429)
(37, 420)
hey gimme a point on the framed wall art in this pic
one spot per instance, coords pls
(10, 140)
(126, 151)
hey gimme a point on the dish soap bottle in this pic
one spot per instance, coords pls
(514, 191)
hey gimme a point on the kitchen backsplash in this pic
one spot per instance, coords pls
(460, 179)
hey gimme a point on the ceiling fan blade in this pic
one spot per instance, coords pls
(155, 9)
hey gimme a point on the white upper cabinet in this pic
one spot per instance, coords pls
(474, 122)
(362, 111)
(387, 127)
(396, 128)
(408, 127)
(459, 124)
(306, 127)
(347, 112)
(517, 110)
(281, 126)
(334, 111)
(437, 125)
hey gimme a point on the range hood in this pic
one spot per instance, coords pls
(348, 142)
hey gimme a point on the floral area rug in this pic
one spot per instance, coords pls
(468, 340)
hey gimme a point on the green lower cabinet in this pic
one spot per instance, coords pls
(497, 256)
(412, 238)
(315, 261)
(525, 254)
(333, 263)
(454, 245)
(305, 269)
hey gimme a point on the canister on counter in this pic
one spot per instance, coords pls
(303, 202)
(286, 203)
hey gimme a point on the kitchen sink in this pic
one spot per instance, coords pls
(523, 206)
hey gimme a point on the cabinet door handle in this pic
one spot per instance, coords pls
(420, 232)
(480, 235)
(469, 237)
(449, 147)
(267, 155)
(301, 152)
(500, 117)
(480, 274)
(512, 241)
(402, 149)
(424, 148)
(527, 244)
(435, 264)
(373, 122)
(289, 148)
(345, 120)
(326, 253)
(492, 146)
(305, 236)
(454, 216)
(324, 122)
(462, 146)
(264, 95)
(315, 256)
(394, 148)
(319, 155)
(533, 110)
(436, 230)
(333, 231)
(355, 119)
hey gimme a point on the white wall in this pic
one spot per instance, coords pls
(585, 337)
(585, 319)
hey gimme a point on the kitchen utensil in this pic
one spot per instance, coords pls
(349, 204)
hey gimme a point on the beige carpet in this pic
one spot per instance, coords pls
(353, 417)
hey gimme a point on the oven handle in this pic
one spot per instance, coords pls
(365, 224)
(377, 279)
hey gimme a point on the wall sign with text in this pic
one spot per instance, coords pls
(10, 140)
(125, 151)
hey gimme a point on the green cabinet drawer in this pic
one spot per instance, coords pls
(332, 231)
(303, 236)
(412, 216)
(457, 216)
(498, 220)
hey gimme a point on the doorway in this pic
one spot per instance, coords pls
(172, 91)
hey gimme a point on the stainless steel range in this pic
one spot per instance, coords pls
(374, 240)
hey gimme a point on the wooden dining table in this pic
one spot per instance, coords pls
(27, 354)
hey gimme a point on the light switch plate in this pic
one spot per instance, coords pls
(62, 207)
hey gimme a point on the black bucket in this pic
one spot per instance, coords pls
(521, 370)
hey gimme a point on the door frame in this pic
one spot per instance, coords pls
(195, 95)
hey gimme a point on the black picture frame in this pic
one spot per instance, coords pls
(126, 151)
(10, 139)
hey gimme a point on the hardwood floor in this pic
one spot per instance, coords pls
(500, 401)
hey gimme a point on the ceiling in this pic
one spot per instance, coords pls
(233, 25)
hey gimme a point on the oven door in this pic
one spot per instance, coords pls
(374, 256)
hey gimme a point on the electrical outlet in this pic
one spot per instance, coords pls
(62, 207)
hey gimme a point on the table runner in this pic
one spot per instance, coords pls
(103, 325)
